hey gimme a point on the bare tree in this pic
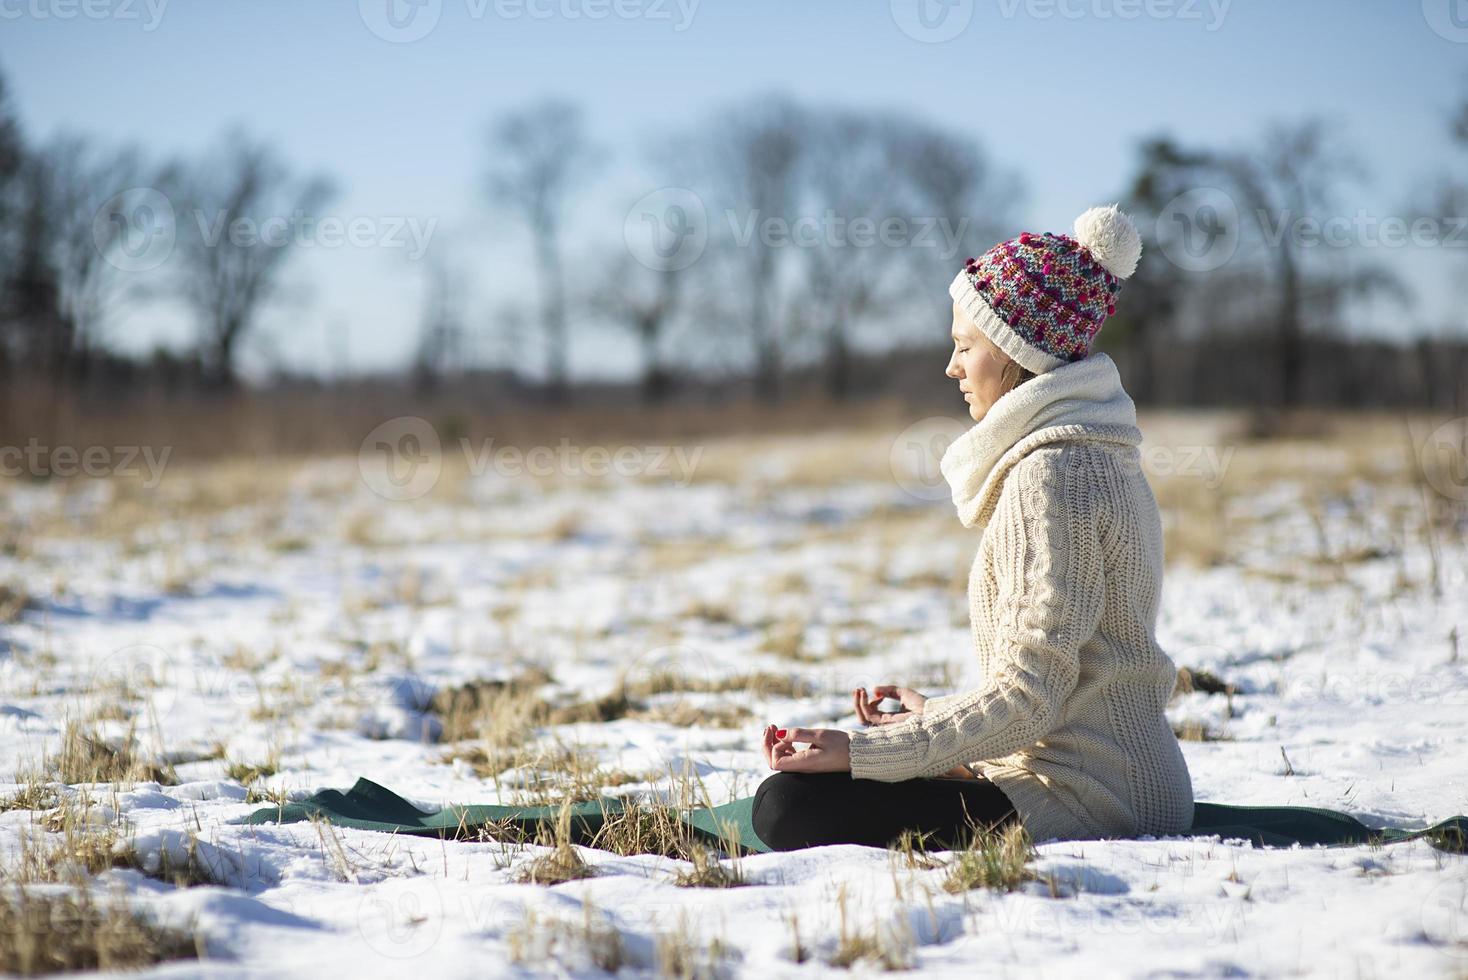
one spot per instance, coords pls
(76, 190)
(900, 200)
(12, 150)
(536, 156)
(1155, 296)
(643, 296)
(234, 208)
(750, 158)
(441, 333)
(1294, 173)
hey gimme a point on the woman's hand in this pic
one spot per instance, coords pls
(829, 751)
(866, 704)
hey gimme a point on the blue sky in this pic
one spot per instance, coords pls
(1059, 91)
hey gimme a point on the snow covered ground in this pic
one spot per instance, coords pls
(287, 625)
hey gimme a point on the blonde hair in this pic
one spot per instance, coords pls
(1014, 375)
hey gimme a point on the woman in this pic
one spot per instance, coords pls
(1067, 734)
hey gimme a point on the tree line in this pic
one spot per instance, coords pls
(777, 238)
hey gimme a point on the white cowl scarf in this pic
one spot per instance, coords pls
(1082, 399)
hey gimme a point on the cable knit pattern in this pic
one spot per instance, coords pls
(1063, 596)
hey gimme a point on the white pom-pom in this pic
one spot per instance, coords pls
(1112, 239)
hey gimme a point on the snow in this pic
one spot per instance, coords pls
(1346, 667)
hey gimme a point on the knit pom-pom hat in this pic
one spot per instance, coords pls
(1042, 298)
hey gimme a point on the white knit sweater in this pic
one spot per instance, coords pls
(1063, 598)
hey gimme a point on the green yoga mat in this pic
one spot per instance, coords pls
(368, 806)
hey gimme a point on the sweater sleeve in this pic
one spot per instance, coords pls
(1047, 562)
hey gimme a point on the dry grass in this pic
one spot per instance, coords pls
(884, 944)
(248, 773)
(1191, 679)
(33, 795)
(74, 840)
(710, 872)
(86, 757)
(562, 862)
(55, 932)
(995, 859)
(575, 946)
(14, 600)
(1195, 730)
(683, 955)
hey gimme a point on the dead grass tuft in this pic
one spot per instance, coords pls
(86, 757)
(995, 859)
(562, 862)
(56, 932)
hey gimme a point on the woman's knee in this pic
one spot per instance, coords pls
(783, 804)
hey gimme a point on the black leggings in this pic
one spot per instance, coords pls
(798, 809)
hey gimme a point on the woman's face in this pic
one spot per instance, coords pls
(977, 365)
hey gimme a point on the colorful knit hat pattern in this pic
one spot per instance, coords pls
(1042, 298)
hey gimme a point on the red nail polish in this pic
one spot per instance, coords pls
(780, 733)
